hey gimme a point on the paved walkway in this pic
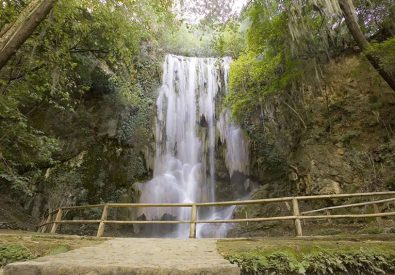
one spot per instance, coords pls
(132, 256)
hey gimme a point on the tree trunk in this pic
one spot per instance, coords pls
(14, 35)
(350, 16)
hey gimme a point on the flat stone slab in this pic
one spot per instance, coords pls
(132, 256)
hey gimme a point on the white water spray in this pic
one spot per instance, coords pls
(184, 169)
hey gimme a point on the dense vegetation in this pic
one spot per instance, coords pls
(77, 98)
(364, 261)
(280, 75)
(84, 51)
(287, 43)
(310, 257)
(13, 253)
(310, 84)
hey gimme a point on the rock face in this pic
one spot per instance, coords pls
(132, 256)
(13, 216)
(328, 139)
(336, 137)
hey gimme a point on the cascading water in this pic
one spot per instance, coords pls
(186, 126)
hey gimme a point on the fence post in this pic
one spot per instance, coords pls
(328, 213)
(47, 221)
(192, 228)
(298, 225)
(41, 225)
(102, 224)
(57, 220)
(376, 210)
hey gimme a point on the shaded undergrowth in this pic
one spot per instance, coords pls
(310, 256)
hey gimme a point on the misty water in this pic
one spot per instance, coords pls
(187, 129)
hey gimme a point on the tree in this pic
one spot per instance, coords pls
(14, 35)
(348, 10)
(89, 53)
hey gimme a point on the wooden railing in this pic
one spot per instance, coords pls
(54, 218)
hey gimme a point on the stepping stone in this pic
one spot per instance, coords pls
(132, 256)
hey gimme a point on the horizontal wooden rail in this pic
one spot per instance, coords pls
(82, 206)
(387, 214)
(55, 217)
(142, 205)
(349, 205)
(336, 196)
(146, 222)
(281, 218)
(79, 221)
(300, 198)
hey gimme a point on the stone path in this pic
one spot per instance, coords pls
(132, 256)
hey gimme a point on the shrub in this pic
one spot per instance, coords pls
(321, 261)
(371, 230)
(13, 253)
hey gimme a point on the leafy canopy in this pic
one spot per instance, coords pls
(52, 71)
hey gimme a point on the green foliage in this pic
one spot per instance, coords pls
(220, 39)
(385, 52)
(229, 41)
(286, 42)
(319, 261)
(83, 51)
(24, 147)
(253, 262)
(286, 45)
(188, 40)
(357, 262)
(13, 253)
(266, 65)
(371, 230)
(10, 10)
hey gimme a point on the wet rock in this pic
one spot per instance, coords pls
(329, 186)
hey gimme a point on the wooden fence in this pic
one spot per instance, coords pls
(54, 218)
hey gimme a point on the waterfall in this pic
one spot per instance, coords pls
(237, 157)
(186, 128)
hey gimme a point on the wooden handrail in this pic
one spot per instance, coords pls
(79, 221)
(82, 206)
(128, 205)
(387, 214)
(349, 205)
(147, 222)
(335, 196)
(296, 217)
(227, 203)
(316, 197)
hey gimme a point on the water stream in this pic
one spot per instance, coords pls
(186, 133)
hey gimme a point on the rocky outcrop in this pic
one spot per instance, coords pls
(332, 137)
(335, 136)
(13, 216)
